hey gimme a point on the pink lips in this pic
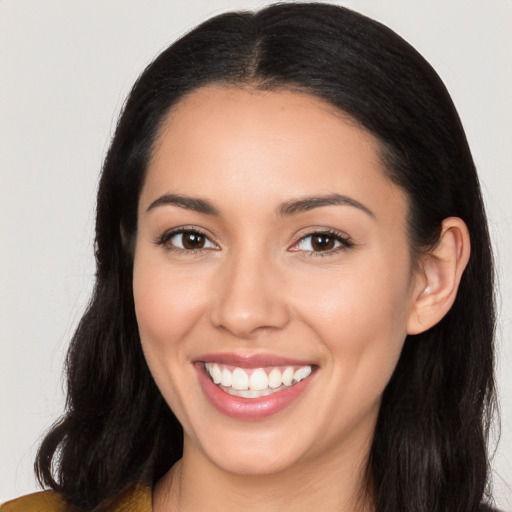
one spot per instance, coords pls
(251, 361)
(249, 408)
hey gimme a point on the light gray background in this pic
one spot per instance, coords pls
(65, 68)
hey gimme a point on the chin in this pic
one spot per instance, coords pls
(252, 461)
(261, 448)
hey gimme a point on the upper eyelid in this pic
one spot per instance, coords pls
(336, 233)
(168, 234)
(184, 229)
(345, 244)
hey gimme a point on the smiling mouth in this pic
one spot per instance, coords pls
(255, 382)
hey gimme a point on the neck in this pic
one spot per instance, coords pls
(336, 483)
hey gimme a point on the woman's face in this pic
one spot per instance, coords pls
(272, 258)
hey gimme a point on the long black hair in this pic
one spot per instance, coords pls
(429, 450)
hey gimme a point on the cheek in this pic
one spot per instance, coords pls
(360, 316)
(167, 304)
(355, 302)
(362, 330)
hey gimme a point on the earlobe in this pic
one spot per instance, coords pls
(441, 272)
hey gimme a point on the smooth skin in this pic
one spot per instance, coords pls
(240, 272)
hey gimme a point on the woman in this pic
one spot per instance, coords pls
(294, 284)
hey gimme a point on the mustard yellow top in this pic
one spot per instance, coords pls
(137, 499)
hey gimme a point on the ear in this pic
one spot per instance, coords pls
(438, 280)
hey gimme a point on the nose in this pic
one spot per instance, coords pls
(250, 298)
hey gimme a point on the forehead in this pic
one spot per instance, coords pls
(276, 117)
(256, 147)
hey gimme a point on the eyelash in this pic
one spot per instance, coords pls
(344, 241)
(168, 235)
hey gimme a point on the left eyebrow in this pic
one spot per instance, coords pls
(309, 203)
(188, 203)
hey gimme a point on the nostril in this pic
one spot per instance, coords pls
(248, 322)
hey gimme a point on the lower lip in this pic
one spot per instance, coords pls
(249, 408)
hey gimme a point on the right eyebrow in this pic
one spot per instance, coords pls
(189, 203)
(309, 203)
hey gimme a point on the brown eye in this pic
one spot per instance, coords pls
(192, 240)
(322, 242)
(188, 240)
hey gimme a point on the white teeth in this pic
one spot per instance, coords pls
(257, 383)
(240, 380)
(302, 373)
(215, 373)
(258, 380)
(288, 376)
(249, 393)
(275, 379)
(226, 378)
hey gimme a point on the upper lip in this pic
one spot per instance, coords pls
(251, 360)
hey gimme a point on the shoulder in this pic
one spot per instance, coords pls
(136, 498)
(45, 501)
